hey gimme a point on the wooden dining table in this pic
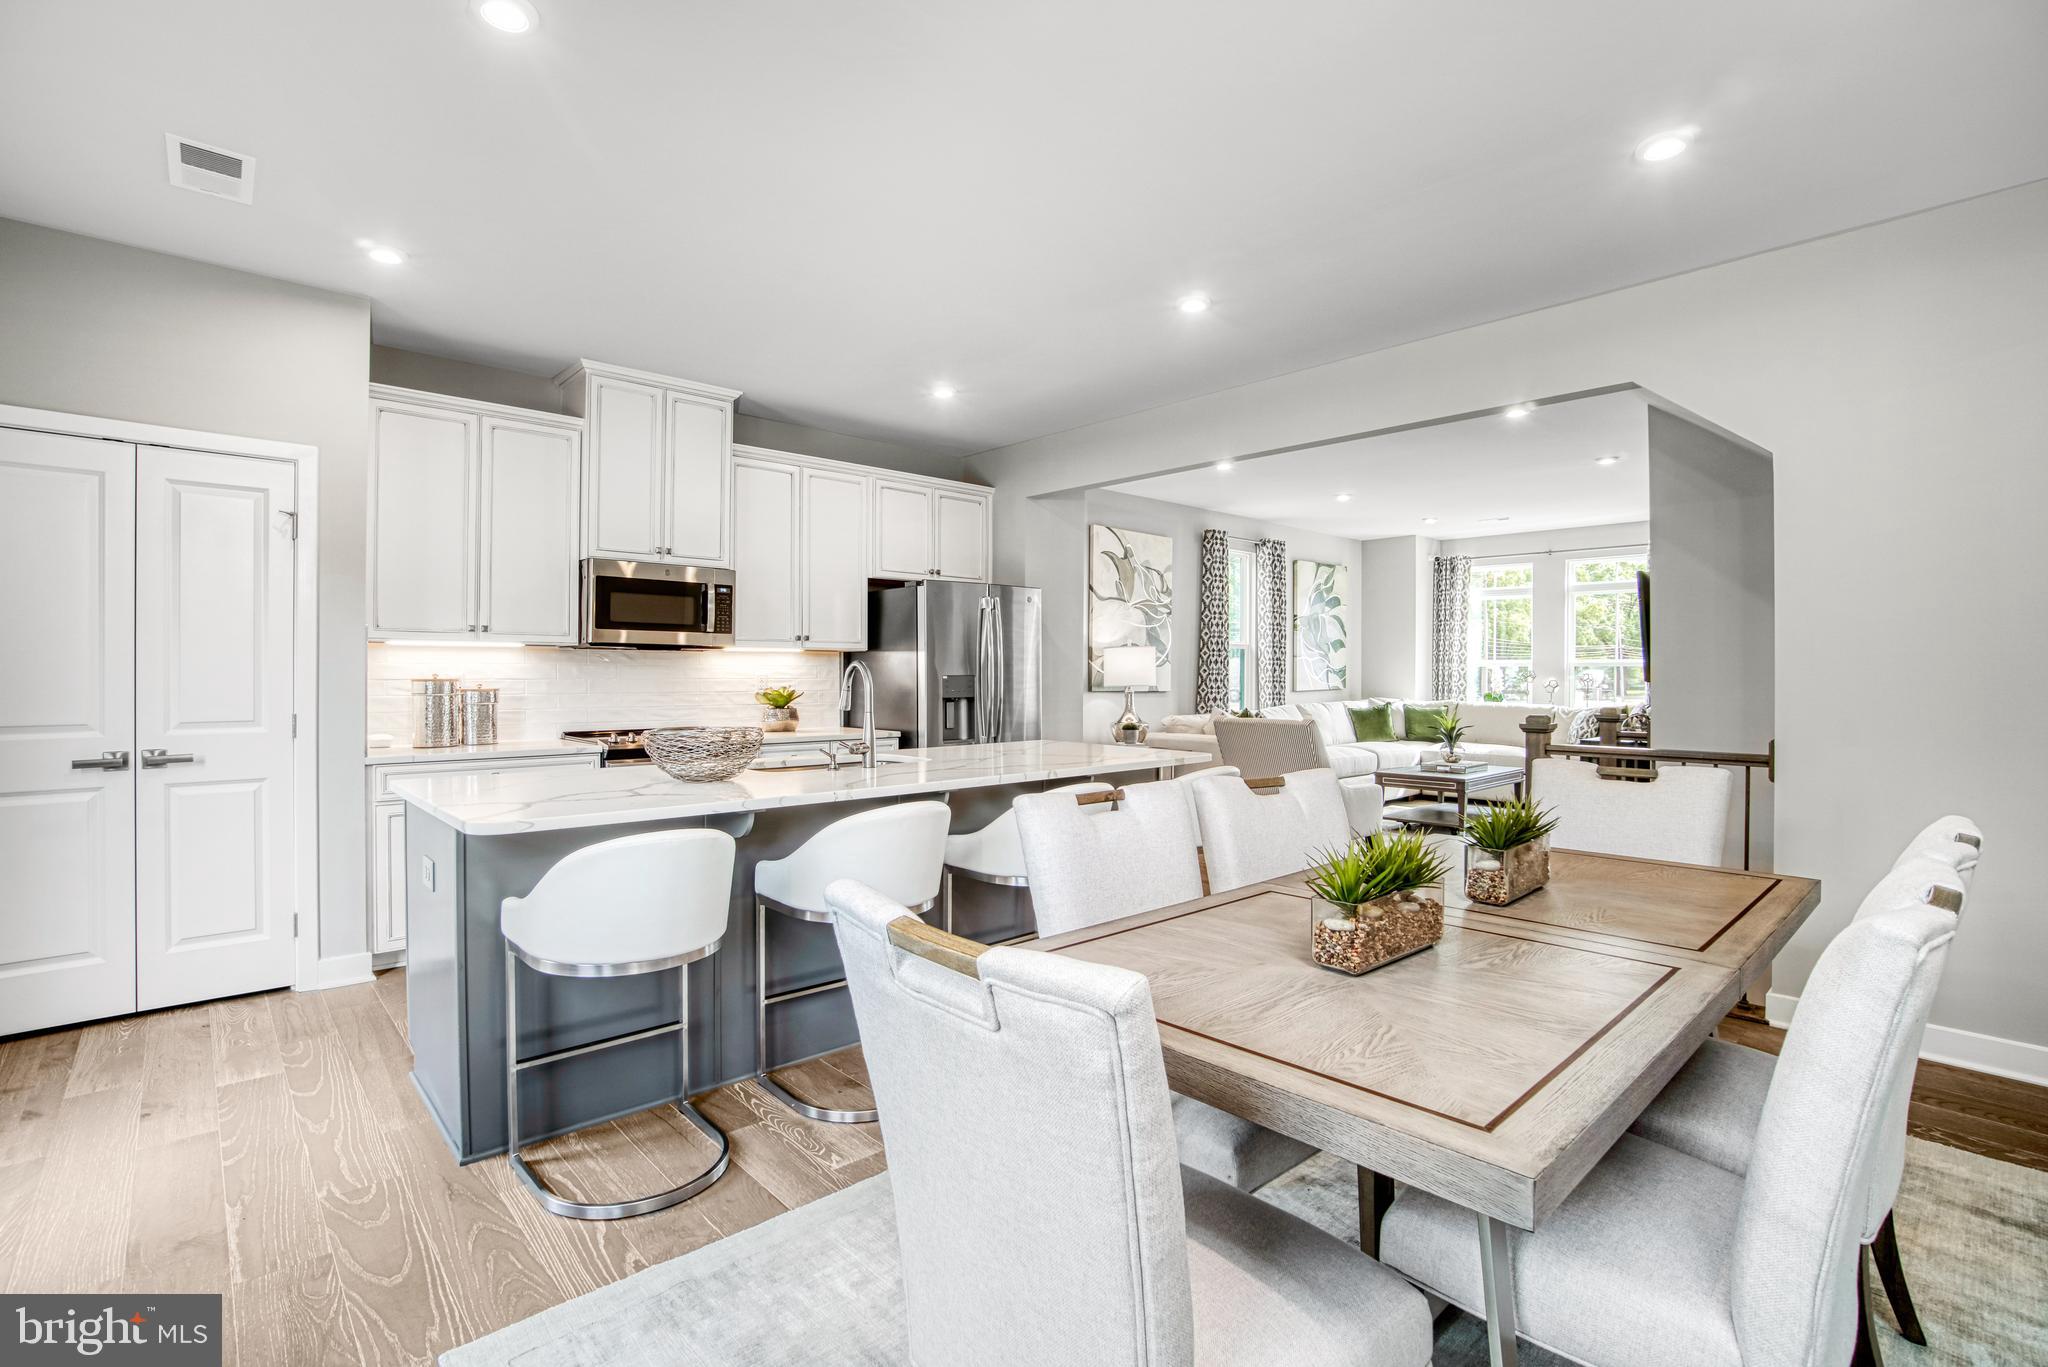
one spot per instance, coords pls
(1494, 1069)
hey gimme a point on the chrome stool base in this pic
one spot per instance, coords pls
(603, 1210)
(762, 1001)
(619, 1210)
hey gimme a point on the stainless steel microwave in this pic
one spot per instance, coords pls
(650, 605)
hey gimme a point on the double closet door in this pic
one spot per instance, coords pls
(147, 852)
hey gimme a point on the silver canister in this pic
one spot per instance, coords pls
(436, 718)
(479, 715)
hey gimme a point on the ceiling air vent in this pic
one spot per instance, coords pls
(210, 170)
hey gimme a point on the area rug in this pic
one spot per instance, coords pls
(818, 1287)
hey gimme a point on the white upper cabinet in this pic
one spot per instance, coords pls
(625, 485)
(423, 467)
(699, 479)
(903, 529)
(658, 481)
(834, 564)
(930, 529)
(767, 610)
(529, 561)
(473, 518)
(960, 530)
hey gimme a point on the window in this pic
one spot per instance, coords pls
(1244, 650)
(1607, 631)
(1503, 640)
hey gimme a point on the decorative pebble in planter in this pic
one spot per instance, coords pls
(1358, 939)
(1498, 877)
(1375, 901)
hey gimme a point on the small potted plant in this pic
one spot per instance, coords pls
(1451, 731)
(779, 700)
(1375, 901)
(1507, 851)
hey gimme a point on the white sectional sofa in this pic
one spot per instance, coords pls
(1495, 735)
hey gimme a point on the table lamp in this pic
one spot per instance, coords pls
(1129, 667)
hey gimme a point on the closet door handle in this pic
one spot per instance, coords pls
(109, 759)
(157, 759)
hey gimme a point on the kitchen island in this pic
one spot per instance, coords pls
(473, 840)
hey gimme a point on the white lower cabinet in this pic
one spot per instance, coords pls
(387, 831)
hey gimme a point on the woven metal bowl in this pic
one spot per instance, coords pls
(703, 754)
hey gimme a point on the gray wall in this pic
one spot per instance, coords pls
(1394, 617)
(489, 384)
(1712, 589)
(1892, 372)
(95, 328)
(1072, 712)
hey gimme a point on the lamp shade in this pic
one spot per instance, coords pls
(1129, 667)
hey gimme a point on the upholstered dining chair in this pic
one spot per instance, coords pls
(1089, 864)
(1680, 816)
(1269, 747)
(1713, 1107)
(1252, 831)
(1042, 1218)
(1662, 1257)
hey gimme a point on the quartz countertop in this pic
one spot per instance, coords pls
(504, 749)
(555, 745)
(564, 798)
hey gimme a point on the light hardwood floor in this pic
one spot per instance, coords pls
(272, 1147)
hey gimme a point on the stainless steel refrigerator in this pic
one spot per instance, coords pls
(955, 664)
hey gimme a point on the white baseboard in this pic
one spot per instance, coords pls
(2011, 1058)
(339, 970)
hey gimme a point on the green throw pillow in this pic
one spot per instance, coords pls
(1422, 721)
(1372, 723)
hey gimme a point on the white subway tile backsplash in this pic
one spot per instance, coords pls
(543, 692)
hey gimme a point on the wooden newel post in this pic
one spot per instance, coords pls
(1536, 731)
(1610, 726)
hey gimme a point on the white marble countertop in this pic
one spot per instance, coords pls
(555, 745)
(504, 749)
(563, 798)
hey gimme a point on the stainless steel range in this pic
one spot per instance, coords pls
(618, 747)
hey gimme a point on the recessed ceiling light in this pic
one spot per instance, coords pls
(1520, 410)
(1666, 145)
(1607, 460)
(1343, 498)
(1224, 467)
(1429, 522)
(942, 390)
(1194, 303)
(382, 255)
(506, 16)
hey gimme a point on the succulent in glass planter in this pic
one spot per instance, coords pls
(1375, 901)
(778, 701)
(1507, 851)
(1451, 731)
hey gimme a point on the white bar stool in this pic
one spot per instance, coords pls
(899, 851)
(641, 904)
(994, 854)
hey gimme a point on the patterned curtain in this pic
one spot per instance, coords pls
(1212, 645)
(1272, 561)
(1451, 595)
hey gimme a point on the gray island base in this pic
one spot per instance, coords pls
(473, 840)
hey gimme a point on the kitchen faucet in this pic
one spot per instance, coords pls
(867, 725)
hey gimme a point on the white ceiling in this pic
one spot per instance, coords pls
(1537, 471)
(834, 205)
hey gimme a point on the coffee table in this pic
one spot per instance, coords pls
(1458, 787)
